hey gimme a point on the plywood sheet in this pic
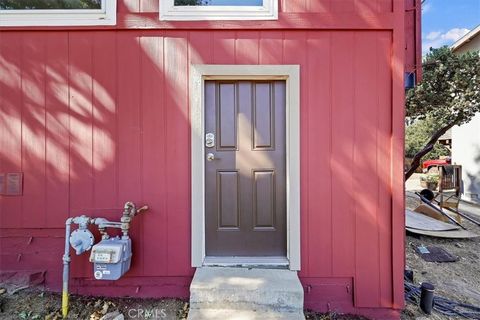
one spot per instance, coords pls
(415, 220)
(452, 234)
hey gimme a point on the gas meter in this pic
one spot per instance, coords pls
(111, 258)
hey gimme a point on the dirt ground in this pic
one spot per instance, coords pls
(36, 304)
(458, 281)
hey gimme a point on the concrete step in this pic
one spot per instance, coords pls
(245, 293)
(233, 314)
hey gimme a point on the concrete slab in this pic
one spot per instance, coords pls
(245, 293)
(232, 314)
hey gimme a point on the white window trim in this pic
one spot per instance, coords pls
(75, 17)
(170, 12)
(198, 75)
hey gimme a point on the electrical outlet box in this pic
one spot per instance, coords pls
(111, 258)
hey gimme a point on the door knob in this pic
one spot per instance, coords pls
(210, 156)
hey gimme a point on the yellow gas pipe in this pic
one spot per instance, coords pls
(66, 268)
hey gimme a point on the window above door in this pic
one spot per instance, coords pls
(185, 10)
(57, 12)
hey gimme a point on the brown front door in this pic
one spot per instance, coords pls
(245, 172)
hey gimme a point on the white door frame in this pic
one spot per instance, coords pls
(198, 75)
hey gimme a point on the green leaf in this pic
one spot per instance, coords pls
(449, 90)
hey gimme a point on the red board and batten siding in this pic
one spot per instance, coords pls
(98, 117)
(413, 40)
(366, 6)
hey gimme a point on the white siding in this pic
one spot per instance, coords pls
(466, 152)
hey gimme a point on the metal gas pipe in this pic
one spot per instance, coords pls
(111, 256)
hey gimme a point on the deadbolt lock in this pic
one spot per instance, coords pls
(210, 140)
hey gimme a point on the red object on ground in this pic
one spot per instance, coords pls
(427, 164)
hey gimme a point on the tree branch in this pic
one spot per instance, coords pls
(428, 147)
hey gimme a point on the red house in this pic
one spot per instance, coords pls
(270, 130)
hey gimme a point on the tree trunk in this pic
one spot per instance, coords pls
(428, 147)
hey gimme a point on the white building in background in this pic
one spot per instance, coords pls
(466, 138)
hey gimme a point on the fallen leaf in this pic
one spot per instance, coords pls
(115, 315)
(104, 308)
(95, 316)
(97, 303)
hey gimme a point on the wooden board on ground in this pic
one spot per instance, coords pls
(415, 220)
(453, 234)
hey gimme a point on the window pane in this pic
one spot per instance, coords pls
(49, 4)
(218, 2)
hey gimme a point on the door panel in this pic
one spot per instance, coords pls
(227, 200)
(264, 199)
(245, 175)
(226, 127)
(264, 120)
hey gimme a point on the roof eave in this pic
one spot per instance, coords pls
(466, 38)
